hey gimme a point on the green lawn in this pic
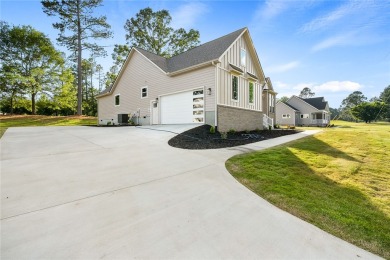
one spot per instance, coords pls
(338, 180)
(26, 120)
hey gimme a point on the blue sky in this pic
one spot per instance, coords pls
(333, 47)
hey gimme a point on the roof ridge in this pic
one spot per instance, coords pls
(242, 29)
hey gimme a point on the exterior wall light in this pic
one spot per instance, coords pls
(209, 91)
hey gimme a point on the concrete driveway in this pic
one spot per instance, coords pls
(122, 192)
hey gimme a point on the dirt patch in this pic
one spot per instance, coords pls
(201, 138)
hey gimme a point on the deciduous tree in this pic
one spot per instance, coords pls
(32, 59)
(151, 31)
(385, 98)
(306, 93)
(367, 111)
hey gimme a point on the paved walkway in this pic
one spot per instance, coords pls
(89, 192)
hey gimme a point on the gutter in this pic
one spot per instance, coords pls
(198, 66)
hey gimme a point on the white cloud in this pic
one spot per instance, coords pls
(334, 41)
(331, 18)
(271, 8)
(185, 16)
(284, 67)
(337, 86)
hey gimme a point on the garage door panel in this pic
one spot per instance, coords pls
(177, 108)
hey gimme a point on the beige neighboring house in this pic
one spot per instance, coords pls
(298, 111)
(219, 83)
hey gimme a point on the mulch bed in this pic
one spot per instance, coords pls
(201, 138)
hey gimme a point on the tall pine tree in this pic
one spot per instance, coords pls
(77, 26)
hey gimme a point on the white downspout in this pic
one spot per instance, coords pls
(216, 89)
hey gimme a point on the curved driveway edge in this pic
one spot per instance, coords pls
(89, 192)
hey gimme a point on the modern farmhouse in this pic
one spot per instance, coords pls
(219, 83)
(298, 111)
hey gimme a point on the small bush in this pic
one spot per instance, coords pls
(212, 130)
(109, 123)
(231, 131)
(269, 128)
(224, 135)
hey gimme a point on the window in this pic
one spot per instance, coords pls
(271, 103)
(286, 116)
(305, 116)
(117, 100)
(235, 88)
(197, 105)
(251, 92)
(243, 57)
(144, 92)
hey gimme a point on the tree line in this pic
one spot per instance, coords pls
(36, 78)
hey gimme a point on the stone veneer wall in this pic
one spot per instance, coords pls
(238, 119)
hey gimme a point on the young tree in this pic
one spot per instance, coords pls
(306, 93)
(385, 98)
(31, 57)
(77, 26)
(367, 111)
(151, 31)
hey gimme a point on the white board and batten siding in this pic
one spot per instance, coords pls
(139, 73)
(232, 56)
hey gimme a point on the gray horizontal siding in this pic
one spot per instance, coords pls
(140, 73)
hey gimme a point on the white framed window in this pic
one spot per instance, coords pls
(243, 57)
(198, 106)
(234, 88)
(251, 92)
(286, 116)
(144, 92)
(117, 100)
(304, 115)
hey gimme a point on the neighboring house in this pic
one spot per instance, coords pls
(303, 112)
(220, 83)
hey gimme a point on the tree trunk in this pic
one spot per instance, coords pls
(12, 105)
(33, 103)
(79, 72)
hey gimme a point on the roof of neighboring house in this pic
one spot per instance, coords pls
(290, 106)
(317, 102)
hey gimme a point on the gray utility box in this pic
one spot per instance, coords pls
(123, 119)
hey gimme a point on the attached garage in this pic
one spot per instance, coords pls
(183, 108)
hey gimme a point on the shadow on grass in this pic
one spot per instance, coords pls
(286, 181)
(315, 145)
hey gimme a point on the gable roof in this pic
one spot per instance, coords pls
(207, 52)
(288, 105)
(317, 102)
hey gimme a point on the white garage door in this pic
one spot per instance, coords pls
(183, 108)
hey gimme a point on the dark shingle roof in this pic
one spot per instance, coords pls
(317, 102)
(161, 62)
(208, 51)
(290, 106)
